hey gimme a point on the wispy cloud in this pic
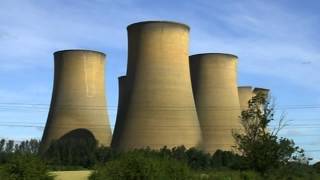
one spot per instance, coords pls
(269, 39)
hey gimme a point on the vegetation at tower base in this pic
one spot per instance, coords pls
(261, 148)
(260, 155)
(73, 150)
(8, 148)
(185, 162)
(20, 161)
(26, 167)
(142, 165)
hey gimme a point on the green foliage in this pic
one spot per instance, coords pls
(195, 158)
(72, 152)
(24, 167)
(262, 149)
(293, 170)
(9, 148)
(229, 175)
(17, 160)
(227, 160)
(29, 146)
(141, 165)
(316, 166)
(104, 154)
(198, 159)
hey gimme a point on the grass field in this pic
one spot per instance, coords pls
(71, 175)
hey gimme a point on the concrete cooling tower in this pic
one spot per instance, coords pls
(78, 104)
(160, 109)
(120, 112)
(245, 95)
(263, 91)
(214, 83)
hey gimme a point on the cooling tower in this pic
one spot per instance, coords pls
(120, 112)
(160, 109)
(263, 91)
(245, 95)
(78, 101)
(214, 83)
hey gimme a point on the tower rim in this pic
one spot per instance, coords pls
(245, 87)
(79, 50)
(218, 53)
(122, 77)
(261, 89)
(158, 21)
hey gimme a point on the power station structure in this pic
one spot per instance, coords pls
(245, 95)
(263, 91)
(78, 104)
(120, 112)
(166, 97)
(160, 109)
(214, 83)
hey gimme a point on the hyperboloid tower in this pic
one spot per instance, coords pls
(214, 83)
(160, 109)
(78, 104)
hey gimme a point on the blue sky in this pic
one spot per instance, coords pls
(277, 43)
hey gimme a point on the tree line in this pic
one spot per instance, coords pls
(259, 153)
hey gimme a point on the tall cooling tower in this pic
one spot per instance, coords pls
(245, 95)
(78, 104)
(160, 109)
(263, 91)
(214, 83)
(120, 112)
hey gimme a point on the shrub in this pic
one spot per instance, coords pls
(138, 165)
(293, 170)
(229, 175)
(227, 160)
(197, 159)
(71, 150)
(104, 154)
(26, 167)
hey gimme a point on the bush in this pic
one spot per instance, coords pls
(104, 154)
(227, 160)
(293, 170)
(229, 175)
(316, 167)
(72, 151)
(24, 167)
(139, 165)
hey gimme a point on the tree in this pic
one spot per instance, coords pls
(9, 147)
(2, 144)
(263, 149)
(72, 151)
(24, 167)
(227, 160)
(28, 146)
